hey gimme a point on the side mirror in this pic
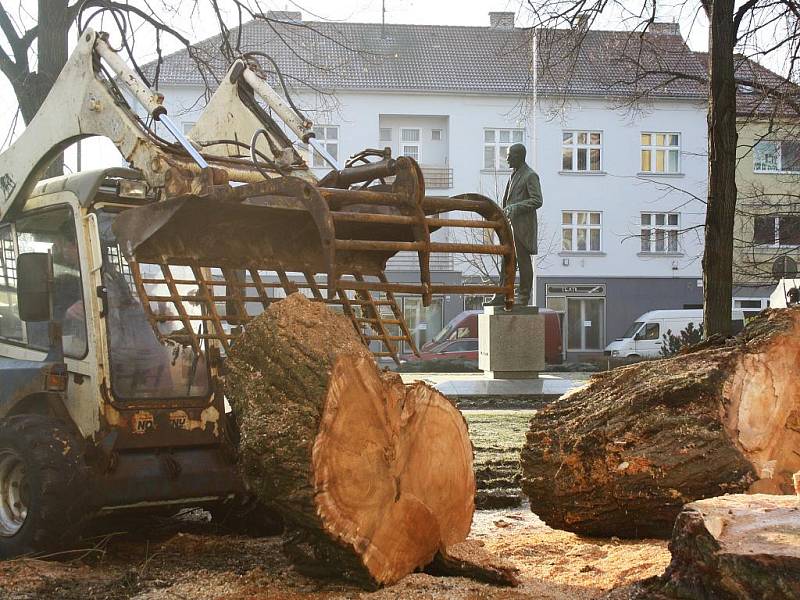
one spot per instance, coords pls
(34, 286)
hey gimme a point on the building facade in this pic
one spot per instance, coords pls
(767, 228)
(623, 178)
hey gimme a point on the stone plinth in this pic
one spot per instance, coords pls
(511, 343)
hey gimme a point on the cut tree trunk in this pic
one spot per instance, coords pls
(623, 454)
(372, 477)
(735, 548)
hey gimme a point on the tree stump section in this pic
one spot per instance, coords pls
(372, 477)
(623, 454)
(735, 547)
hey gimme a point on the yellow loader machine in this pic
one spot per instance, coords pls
(121, 290)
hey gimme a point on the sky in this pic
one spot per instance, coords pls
(201, 24)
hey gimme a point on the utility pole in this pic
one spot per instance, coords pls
(383, 19)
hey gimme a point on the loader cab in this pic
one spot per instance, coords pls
(113, 407)
(119, 368)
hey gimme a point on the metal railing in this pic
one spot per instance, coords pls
(437, 178)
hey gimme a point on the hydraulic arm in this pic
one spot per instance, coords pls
(331, 238)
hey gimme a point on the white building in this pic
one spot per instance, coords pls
(621, 226)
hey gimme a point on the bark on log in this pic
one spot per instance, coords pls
(372, 477)
(735, 547)
(471, 559)
(623, 454)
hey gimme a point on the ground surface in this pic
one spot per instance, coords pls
(196, 562)
(190, 559)
(497, 436)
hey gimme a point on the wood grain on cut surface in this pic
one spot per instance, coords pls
(373, 477)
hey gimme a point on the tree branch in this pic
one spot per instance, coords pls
(741, 12)
(9, 68)
(19, 49)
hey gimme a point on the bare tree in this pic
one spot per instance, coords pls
(761, 29)
(34, 47)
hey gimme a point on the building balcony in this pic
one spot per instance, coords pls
(409, 261)
(437, 178)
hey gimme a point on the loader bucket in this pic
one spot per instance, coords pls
(219, 261)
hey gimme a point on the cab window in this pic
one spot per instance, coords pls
(10, 324)
(649, 332)
(54, 231)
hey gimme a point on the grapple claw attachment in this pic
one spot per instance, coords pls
(240, 251)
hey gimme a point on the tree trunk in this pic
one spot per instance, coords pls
(735, 548)
(52, 50)
(371, 477)
(718, 252)
(622, 455)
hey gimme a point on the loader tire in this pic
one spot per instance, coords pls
(44, 485)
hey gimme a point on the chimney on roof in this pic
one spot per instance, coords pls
(501, 20)
(665, 28)
(583, 22)
(287, 16)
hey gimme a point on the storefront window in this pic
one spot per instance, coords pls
(585, 323)
(423, 322)
(582, 309)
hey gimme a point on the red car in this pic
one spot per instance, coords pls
(459, 339)
(464, 349)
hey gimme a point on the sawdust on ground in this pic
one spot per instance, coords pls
(191, 560)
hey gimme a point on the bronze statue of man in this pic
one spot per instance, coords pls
(522, 198)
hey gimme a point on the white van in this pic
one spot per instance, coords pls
(779, 298)
(645, 336)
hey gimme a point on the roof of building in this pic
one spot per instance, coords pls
(759, 90)
(427, 58)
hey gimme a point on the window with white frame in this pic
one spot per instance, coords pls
(436, 135)
(581, 231)
(496, 143)
(581, 151)
(660, 232)
(782, 156)
(328, 136)
(776, 230)
(385, 135)
(409, 143)
(661, 152)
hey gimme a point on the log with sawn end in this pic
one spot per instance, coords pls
(735, 547)
(623, 454)
(372, 477)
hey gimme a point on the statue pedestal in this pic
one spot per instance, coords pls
(511, 342)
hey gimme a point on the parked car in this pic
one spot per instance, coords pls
(459, 338)
(644, 338)
(464, 349)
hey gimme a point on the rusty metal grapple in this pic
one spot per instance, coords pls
(211, 260)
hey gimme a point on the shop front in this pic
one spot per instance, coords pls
(582, 310)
